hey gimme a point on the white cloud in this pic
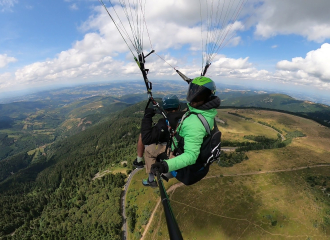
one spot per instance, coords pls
(306, 18)
(96, 47)
(230, 63)
(315, 66)
(6, 80)
(74, 7)
(5, 60)
(239, 68)
(98, 54)
(7, 4)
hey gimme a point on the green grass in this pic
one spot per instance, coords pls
(268, 206)
(145, 198)
(236, 127)
(260, 206)
(142, 197)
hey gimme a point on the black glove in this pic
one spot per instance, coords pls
(149, 112)
(161, 157)
(160, 167)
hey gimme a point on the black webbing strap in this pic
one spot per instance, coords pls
(184, 77)
(205, 69)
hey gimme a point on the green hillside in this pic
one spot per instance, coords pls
(318, 112)
(29, 125)
(277, 193)
(50, 158)
(56, 196)
(275, 101)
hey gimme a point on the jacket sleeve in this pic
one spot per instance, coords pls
(151, 134)
(193, 133)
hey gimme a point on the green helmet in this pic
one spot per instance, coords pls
(201, 87)
(170, 101)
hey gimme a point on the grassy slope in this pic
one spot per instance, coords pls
(276, 101)
(268, 206)
(237, 127)
(245, 207)
(146, 200)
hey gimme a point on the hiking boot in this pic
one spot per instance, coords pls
(138, 164)
(152, 184)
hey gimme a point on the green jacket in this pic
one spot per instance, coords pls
(193, 132)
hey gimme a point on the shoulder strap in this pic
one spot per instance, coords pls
(187, 114)
(201, 118)
(205, 123)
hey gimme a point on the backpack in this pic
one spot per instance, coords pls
(209, 152)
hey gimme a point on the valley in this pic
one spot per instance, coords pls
(63, 159)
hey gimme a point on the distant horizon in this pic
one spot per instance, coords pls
(270, 46)
(20, 95)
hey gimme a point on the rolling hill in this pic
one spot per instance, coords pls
(52, 150)
(317, 112)
(273, 194)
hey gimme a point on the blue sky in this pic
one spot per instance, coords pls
(34, 31)
(284, 45)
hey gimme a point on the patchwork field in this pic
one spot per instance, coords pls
(279, 193)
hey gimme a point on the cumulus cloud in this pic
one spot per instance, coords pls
(165, 27)
(239, 68)
(6, 80)
(167, 31)
(5, 60)
(315, 67)
(100, 54)
(306, 18)
(7, 4)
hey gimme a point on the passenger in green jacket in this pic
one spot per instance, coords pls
(202, 100)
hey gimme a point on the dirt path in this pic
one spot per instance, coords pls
(275, 171)
(150, 220)
(175, 186)
(100, 174)
(228, 149)
(171, 189)
(246, 220)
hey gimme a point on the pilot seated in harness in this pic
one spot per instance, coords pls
(197, 141)
(154, 138)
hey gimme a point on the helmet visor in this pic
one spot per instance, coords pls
(197, 93)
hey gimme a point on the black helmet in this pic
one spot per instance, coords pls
(202, 87)
(170, 102)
